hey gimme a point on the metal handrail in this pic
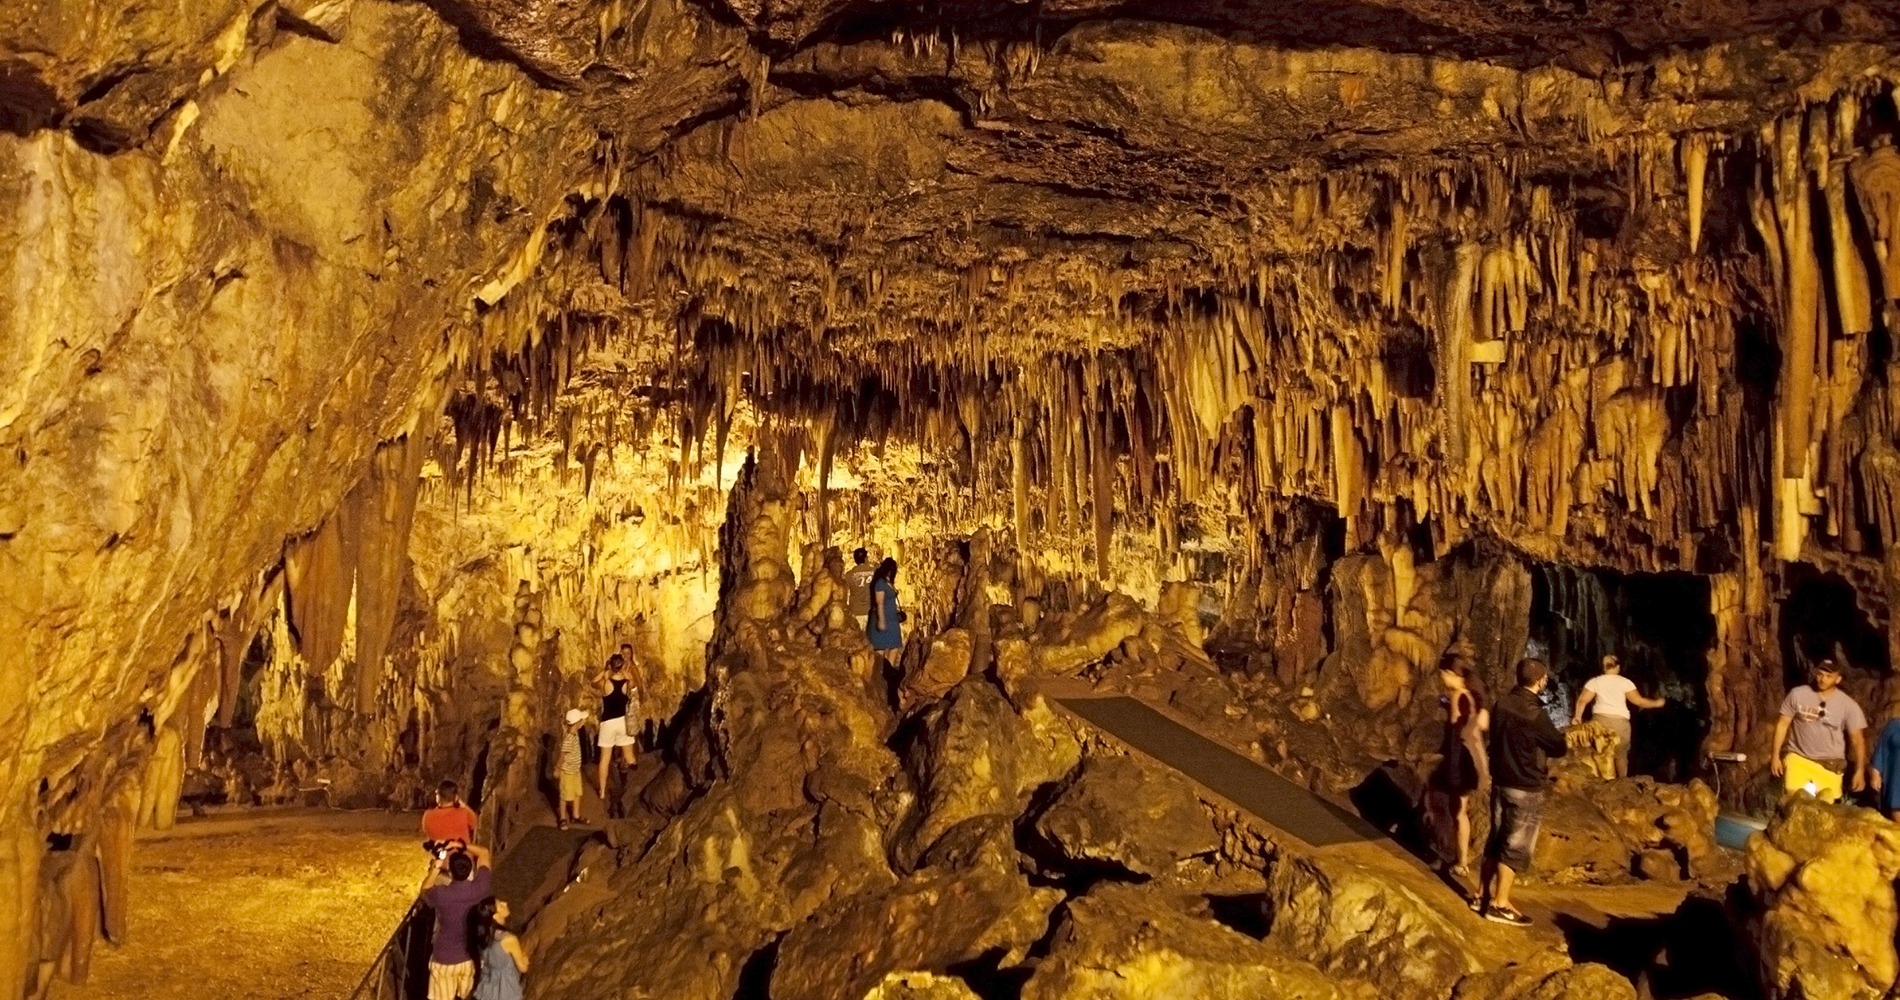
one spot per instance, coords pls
(377, 976)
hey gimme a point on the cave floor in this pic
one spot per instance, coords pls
(272, 905)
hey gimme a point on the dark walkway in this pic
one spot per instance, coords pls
(1252, 787)
(528, 864)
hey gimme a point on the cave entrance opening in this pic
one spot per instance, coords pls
(1820, 618)
(1660, 627)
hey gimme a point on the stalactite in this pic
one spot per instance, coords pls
(1695, 168)
(384, 505)
(320, 579)
(1876, 178)
(1102, 503)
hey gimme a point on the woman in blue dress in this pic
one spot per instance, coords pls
(502, 958)
(885, 627)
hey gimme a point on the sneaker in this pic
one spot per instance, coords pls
(1498, 915)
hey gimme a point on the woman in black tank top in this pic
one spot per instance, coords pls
(614, 704)
(617, 691)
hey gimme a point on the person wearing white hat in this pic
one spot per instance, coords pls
(569, 774)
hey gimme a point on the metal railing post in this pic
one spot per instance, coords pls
(382, 969)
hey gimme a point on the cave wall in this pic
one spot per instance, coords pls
(205, 339)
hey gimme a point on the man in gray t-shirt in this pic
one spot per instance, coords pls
(1817, 724)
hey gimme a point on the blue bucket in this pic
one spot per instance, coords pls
(1732, 830)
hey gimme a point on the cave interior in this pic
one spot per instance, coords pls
(372, 370)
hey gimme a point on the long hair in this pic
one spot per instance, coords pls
(1460, 664)
(482, 928)
(886, 571)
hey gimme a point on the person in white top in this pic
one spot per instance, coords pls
(1613, 695)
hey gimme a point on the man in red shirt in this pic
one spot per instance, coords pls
(451, 822)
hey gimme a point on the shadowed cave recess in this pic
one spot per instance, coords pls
(370, 371)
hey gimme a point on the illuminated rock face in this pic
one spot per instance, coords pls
(325, 325)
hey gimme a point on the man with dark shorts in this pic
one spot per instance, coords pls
(1522, 738)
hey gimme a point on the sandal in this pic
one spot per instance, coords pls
(1462, 871)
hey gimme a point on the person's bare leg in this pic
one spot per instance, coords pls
(1501, 895)
(606, 761)
(627, 756)
(1464, 834)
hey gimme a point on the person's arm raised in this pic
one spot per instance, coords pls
(483, 859)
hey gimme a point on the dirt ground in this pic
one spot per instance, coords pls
(262, 908)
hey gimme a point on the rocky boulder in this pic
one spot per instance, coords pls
(1653, 816)
(930, 921)
(921, 986)
(1121, 812)
(1367, 922)
(1066, 643)
(1123, 942)
(1533, 980)
(975, 755)
(947, 663)
(1823, 878)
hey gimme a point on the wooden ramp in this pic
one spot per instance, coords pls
(1248, 785)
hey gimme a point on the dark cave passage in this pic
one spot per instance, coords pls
(1659, 626)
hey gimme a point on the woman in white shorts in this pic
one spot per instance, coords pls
(617, 691)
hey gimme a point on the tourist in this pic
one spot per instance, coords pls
(858, 579)
(450, 823)
(1817, 724)
(451, 966)
(503, 960)
(1613, 694)
(568, 773)
(617, 689)
(1885, 774)
(1522, 736)
(885, 627)
(1464, 767)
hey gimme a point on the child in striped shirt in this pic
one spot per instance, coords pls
(569, 772)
